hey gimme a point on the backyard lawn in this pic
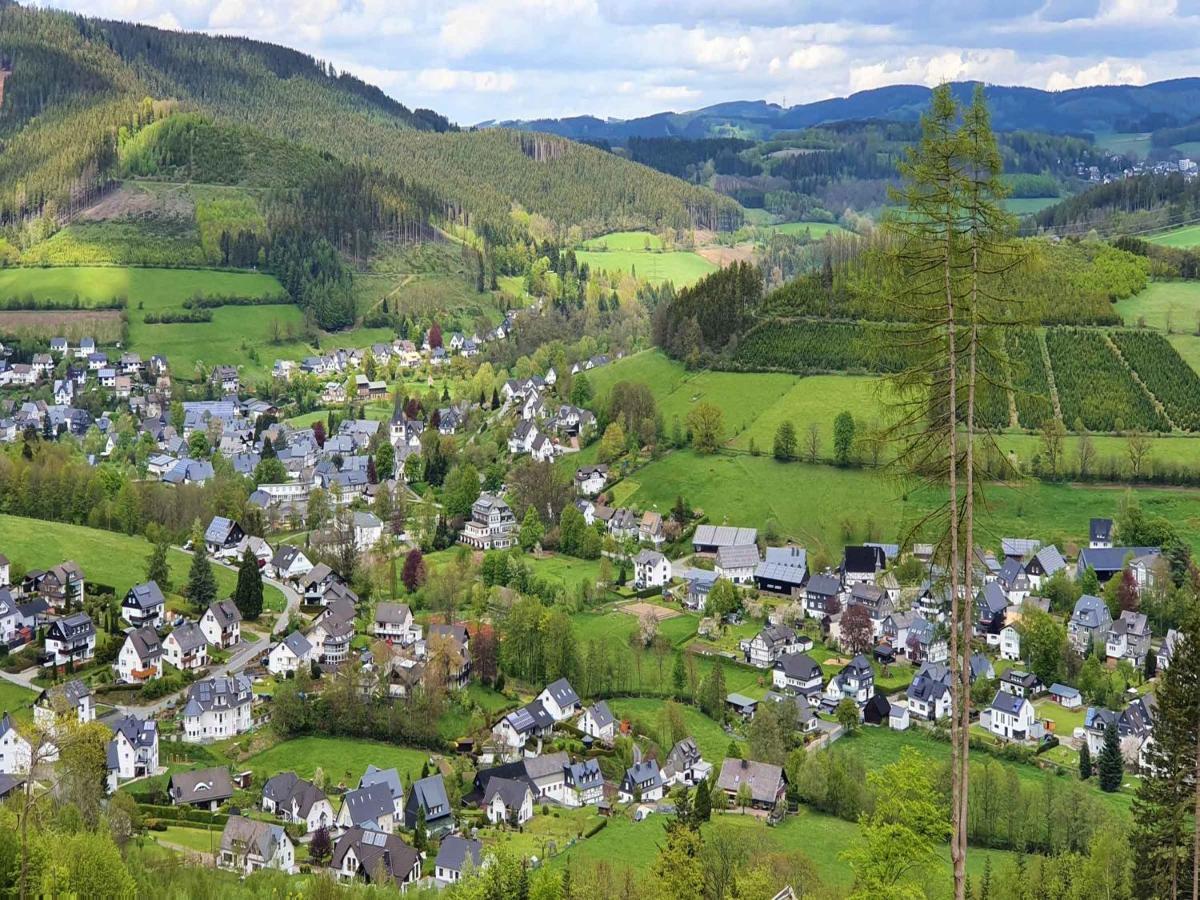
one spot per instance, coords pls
(710, 737)
(16, 700)
(343, 759)
(543, 835)
(117, 560)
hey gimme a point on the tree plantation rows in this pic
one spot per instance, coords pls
(1095, 387)
(1095, 383)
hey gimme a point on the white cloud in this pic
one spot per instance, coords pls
(1105, 72)
(444, 80)
(815, 56)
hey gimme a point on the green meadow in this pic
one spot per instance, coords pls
(154, 288)
(641, 253)
(1188, 236)
(1163, 303)
(1027, 206)
(816, 230)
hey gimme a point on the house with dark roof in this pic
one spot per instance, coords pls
(186, 647)
(376, 858)
(1089, 623)
(856, 681)
(507, 801)
(144, 605)
(429, 794)
(16, 753)
(560, 700)
(368, 807)
(222, 536)
(929, 693)
(798, 673)
(684, 764)
(642, 781)
(767, 783)
(821, 595)
(295, 800)
(1109, 561)
(456, 855)
(140, 657)
(1043, 565)
(784, 570)
(524, 724)
(217, 708)
(72, 698)
(1012, 718)
(290, 654)
(737, 563)
(650, 569)
(391, 779)
(289, 563)
(1100, 534)
(861, 565)
(205, 788)
(248, 845)
(583, 783)
(773, 643)
(221, 624)
(1020, 683)
(991, 603)
(598, 722)
(1129, 638)
(1135, 727)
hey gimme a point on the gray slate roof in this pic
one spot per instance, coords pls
(454, 852)
(201, 785)
(145, 596)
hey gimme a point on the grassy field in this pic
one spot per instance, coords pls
(811, 503)
(106, 557)
(16, 700)
(710, 736)
(197, 839)
(881, 746)
(815, 230)
(1178, 301)
(156, 288)
(625, 240)
(820, 837)
(343, 759)
(641, 252)
(1027, 206)
(544, 833)
(1188, 236)
(1132, 144)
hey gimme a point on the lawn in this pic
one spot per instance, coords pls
(156, 288)
(557, 828)
(682, 267)
(1065, 720)
(1187, 346)
(820, 837)
(343, 759)
(881, 746)
(567, 570)
(16, 700)
(1132, 144)
(825, 507)
(1188, 236)
(710, 736)
(1177, 300)
(106, 557)
(198, 838)
(815, 230)
(1027, 206)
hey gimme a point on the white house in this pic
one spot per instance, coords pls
(140, 657)
(598, 722)
(650, 569)
(144, 605)
(368, 807)
(289, 654)
(560, 700)
(289, 563)
(295, 800)
(1010, 643)
(186, 647)
(642, 781)
(394, 624)
(371, 855)
(73, 698)
(1012, 718)
(71, 638)
(583, 783)
(772, 643)
(737, 563)
(508, 801)
(217, 708)
(368, 531)
(248, 845)
(16, 753)
(221, 624)
(133, 750)
(456, 855)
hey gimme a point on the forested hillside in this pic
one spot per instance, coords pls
(76, 87)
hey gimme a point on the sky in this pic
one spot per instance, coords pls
(479, 60)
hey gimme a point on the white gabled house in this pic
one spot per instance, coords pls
(140, 657)
(1010, 643)
(650, 569)
(289, 654)
(1012, 718)
(16, 753)
(598, 722)
(186, 647)
(221, 624)
(560, 700)
(217, 708)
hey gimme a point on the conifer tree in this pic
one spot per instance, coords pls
(248, 595)
(157, 569)
(1085, 762)
(1110, 764)
(202, 584)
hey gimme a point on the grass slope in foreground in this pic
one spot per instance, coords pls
(106, 557)
(343, 759)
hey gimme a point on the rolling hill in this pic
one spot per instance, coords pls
(1090, 109)
(77, 89)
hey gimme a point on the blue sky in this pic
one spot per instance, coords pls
(475, 60)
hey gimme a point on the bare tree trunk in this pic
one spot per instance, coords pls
(1196, 832)
(958, 849)
(963, 710)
